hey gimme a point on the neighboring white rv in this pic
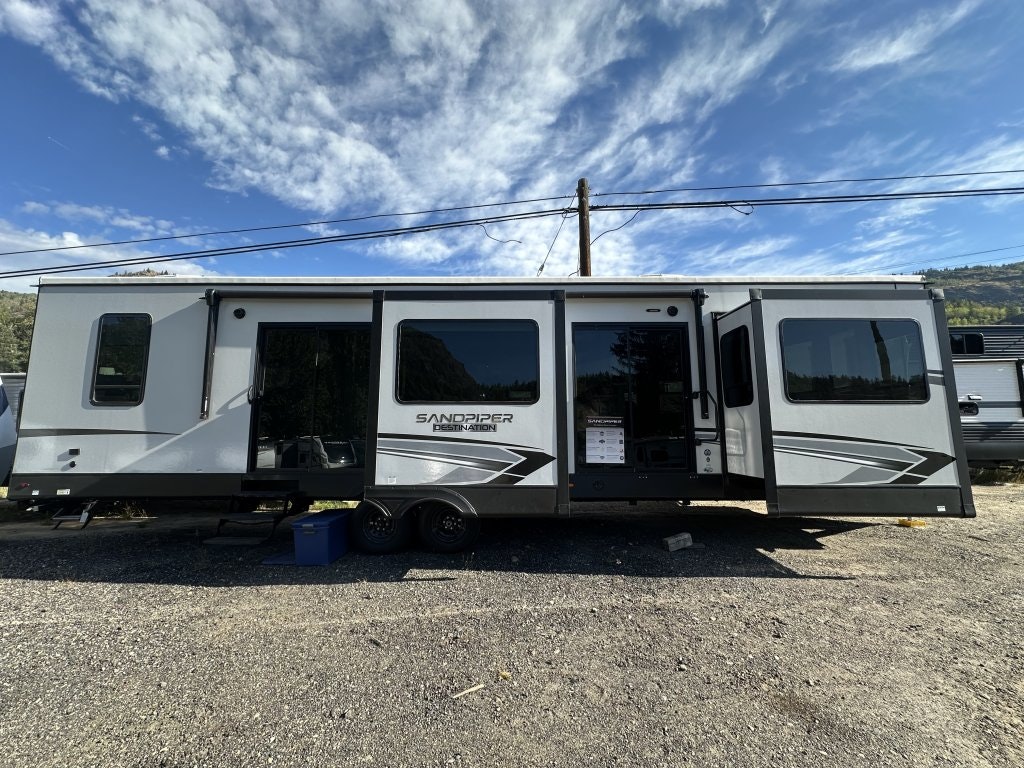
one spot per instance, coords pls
(8, 433)
(439, 401)
(989, 365)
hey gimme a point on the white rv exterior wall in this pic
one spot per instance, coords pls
(532, 425)
(912, 424)
(160, 434)
(164, 434)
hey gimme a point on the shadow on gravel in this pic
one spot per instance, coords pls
(170, 550)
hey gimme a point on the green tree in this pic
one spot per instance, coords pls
(17, 314)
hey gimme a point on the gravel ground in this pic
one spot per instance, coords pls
(810, 642)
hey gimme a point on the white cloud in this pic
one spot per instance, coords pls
(405, 105)
(33, 23)
(113, 223)
(148, 127)
(763, 256)
(900, 45)
(898, 215)
(17, 238)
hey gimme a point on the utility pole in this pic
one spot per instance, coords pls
(583, 193)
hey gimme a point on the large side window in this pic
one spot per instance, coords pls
(737, 375)
(967, 343)
(853, 360)
(468, 361)
(121, 355)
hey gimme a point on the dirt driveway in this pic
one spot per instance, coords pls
(810, 642)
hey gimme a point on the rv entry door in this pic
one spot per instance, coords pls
(310, 406)
(632, 410)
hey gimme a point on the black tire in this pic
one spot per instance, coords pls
(442, 528)
(373, 532)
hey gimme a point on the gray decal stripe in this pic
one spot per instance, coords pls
(440, 438)
(936, 378)
(491, 465)
(997, 403)
(532, 461)
(910, 471)
(880, 451)
(850, 458)
(60, 432)
(845, 439)
(933, 462)
(523, 461)
(469, 450)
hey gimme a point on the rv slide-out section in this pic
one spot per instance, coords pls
(989, 365)
(445, 400)
(842, 401)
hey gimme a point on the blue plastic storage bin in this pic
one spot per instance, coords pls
(321, 539)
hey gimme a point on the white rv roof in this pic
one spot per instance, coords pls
(535, 281)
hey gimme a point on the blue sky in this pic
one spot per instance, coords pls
(126, 119)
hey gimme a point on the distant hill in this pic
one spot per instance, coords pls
(984, 295)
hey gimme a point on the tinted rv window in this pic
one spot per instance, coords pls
(737, 379)
(967, 343)
(853, 360)
(468, 361)
(121, 356)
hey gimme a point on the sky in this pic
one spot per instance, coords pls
(131, 119)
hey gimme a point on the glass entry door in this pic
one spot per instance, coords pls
(632, 398)
(310, 399)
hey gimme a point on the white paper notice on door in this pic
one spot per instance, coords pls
(606, 442)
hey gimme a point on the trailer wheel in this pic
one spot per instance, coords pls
(443, 528)
(376, 533)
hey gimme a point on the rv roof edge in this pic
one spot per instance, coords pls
(693, 280)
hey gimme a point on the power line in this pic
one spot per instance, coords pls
(819, 200)
(284, 244)
(564, 212)
(561, 224)
(139, 241)
(938, 261)
(809, 183)
(370, 217)
(616, 229)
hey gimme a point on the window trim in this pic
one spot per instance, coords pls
(96, 360)
(744, 333)
(924, 366)
(963, 335)
(467, 320)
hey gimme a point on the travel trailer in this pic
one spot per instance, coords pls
(989, 364)
(435, 402)
(8, 431)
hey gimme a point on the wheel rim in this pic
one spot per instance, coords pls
(447, 525)
(379, 527)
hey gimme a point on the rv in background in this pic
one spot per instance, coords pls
(8, 422)
(438, 401)
(989, 365)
